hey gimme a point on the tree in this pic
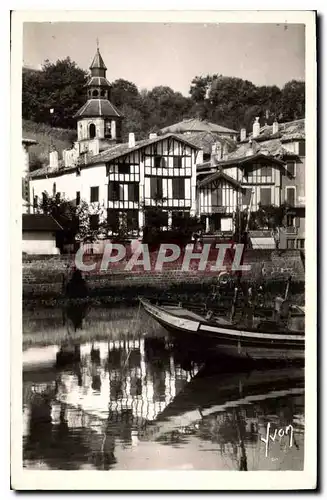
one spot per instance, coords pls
(60, 86)
(124, 92)
(270, 216)
(293, 100)
(74, 219)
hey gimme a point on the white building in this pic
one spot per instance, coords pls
(26, 143)
(122, 178)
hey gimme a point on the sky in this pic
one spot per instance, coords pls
(151, 54)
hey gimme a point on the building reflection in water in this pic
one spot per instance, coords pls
(133, 390)
(105, 397)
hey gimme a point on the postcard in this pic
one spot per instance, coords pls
(163, 230)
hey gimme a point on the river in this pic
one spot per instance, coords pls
(133, 401)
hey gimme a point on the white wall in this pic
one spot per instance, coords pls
(40, 243)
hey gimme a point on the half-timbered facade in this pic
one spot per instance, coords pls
(127, 178)
(254, 179)
(268, 168)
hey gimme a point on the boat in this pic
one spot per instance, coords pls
(263, 339)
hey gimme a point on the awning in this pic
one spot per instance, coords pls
(266, 243)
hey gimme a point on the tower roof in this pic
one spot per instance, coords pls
(97, 62)
(98, 107)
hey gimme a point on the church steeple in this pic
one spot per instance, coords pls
(98, 67)
(98, 85)
(98, 118)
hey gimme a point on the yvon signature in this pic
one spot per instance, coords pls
(282, 434)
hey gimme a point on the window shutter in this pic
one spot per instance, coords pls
(290, 196)
(178, 188)
(111, 191)
(297, 221)
(265, 196)
(133, 192)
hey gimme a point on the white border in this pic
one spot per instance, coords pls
(163, 480)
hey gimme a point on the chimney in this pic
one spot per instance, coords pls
(199, 158)
(225, 151)
(153, 136)
(131, 140)
(275, 127)
(216, 151)
(243, 134)
(53, 160)
(256, 127)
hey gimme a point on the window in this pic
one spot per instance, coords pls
(124, 168)
(103, 93)
(291, 168)
(132, 220)
(94, 194)
(113, 220)
(78, 197)
(115, 192)
(94, 222)
(290, 243)
(107, 130)
(92, 131)
(246, 196)
(133, 191)
(290, 195)
(178, 188)
(95, 93)
(266, 171)
(54, 188)
(177, 162)
(302, 148)
(44, 197)
(217, 197)
(265, 196)
(159, 162)
(156, 187)
(300, 243)
(35, 201)
(25, 189)
(290, 220)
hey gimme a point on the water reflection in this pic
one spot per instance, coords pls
(134, 403)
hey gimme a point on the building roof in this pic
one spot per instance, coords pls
(124, 149)
(216, 176)
(197, 125)
(40, 222)
(205, 140)
(30, 142)
(97, 62)
(110, 154)
(98, 107)
(288, 131)
(99, 81)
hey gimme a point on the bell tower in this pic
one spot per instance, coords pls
(98, 121)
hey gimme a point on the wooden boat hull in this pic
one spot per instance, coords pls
(226, 339)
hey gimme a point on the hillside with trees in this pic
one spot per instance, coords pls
(228, 101)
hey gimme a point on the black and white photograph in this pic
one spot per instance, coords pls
(164, 218)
